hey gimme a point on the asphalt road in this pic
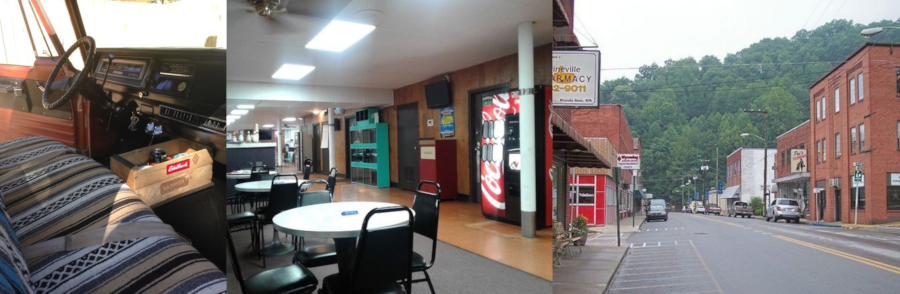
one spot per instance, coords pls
(716, 254)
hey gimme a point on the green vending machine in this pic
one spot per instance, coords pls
(369, 162)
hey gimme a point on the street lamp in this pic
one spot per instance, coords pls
(868, 33)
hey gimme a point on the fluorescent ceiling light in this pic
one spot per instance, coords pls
(240, 111)
(315, 111)
(233, 117)
(230, 120)
(290, 119)
(268, 126)
(245, 106)
(292, 71)
(339, 35)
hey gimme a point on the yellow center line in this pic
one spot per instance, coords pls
(849, 256)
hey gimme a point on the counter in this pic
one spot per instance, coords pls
(248, 152)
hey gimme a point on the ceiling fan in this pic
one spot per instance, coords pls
(269, 8)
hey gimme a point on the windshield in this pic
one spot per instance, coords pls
(657, 207)
(155, 23)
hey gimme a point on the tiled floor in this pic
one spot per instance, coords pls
(461, 224)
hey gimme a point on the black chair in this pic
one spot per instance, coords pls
(242, 221)
(292, 278)
(332, 180)
(282, 196)
(307, 168)
(315, 255)
(383, 257)
(427, 206)
(236, 201)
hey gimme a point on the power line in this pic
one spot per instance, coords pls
(678, 88)
(728, 65)
(823, 13)
(811, 14)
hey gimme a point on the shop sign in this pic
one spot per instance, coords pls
(798, 160)
(447, 122)
(629, 161)
(894, 179)
(576, 78)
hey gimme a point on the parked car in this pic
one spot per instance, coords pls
(783, 208)
(657, 211)
(700, 209)
(740, 208)
(713, 209)
(684, 209)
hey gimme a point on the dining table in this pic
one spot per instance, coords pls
(341, 221)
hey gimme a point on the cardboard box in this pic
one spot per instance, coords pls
(169, 180)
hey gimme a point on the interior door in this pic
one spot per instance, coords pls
(408, 146)
(27, 59)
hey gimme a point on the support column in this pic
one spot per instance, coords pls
(526, 128)
(279, 144)
(330, 124)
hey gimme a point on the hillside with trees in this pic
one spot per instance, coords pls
(683, 108)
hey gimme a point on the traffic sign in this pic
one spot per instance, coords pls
(857, 176)
(720, 188)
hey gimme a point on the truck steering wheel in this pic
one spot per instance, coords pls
(80, 76)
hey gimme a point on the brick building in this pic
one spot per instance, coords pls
(855, 118)
(791, 165)
(607, 129)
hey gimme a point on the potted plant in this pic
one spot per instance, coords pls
(579, 229)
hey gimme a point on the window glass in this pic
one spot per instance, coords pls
(898, 80)
(862, 198)
(58, 14)
(853, 140)
(893, 197)
(156, 24)
(862, 137)
(837, 145)
(788, 202)
(818, 110)
(17, 48)
(824, 106)
(837, 100)
(586, 194)
(824, 149)
(859, 85)
(852, 91)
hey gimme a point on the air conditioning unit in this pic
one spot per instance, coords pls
(835, 183)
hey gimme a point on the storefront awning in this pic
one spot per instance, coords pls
(572, 147)
(731, 192)
(798, 177)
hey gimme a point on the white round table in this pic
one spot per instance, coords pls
(260, 186)
(328, 221)
(242, 175)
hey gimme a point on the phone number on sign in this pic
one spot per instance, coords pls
(570, 88)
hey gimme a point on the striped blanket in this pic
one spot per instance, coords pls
(60, 193)
(21, 153)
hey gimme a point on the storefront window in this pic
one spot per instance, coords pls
(586, 195)
(893, 197)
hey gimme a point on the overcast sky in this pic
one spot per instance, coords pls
(639, 32)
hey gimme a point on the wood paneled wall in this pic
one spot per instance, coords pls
(501, 71)
(340, 155)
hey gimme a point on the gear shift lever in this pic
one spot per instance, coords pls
(108, 68)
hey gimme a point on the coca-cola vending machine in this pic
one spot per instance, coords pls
(501, 160)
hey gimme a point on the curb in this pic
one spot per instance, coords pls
(821, 224)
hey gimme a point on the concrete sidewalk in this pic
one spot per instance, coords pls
(589, 271)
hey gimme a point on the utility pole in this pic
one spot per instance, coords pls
(618, 227)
